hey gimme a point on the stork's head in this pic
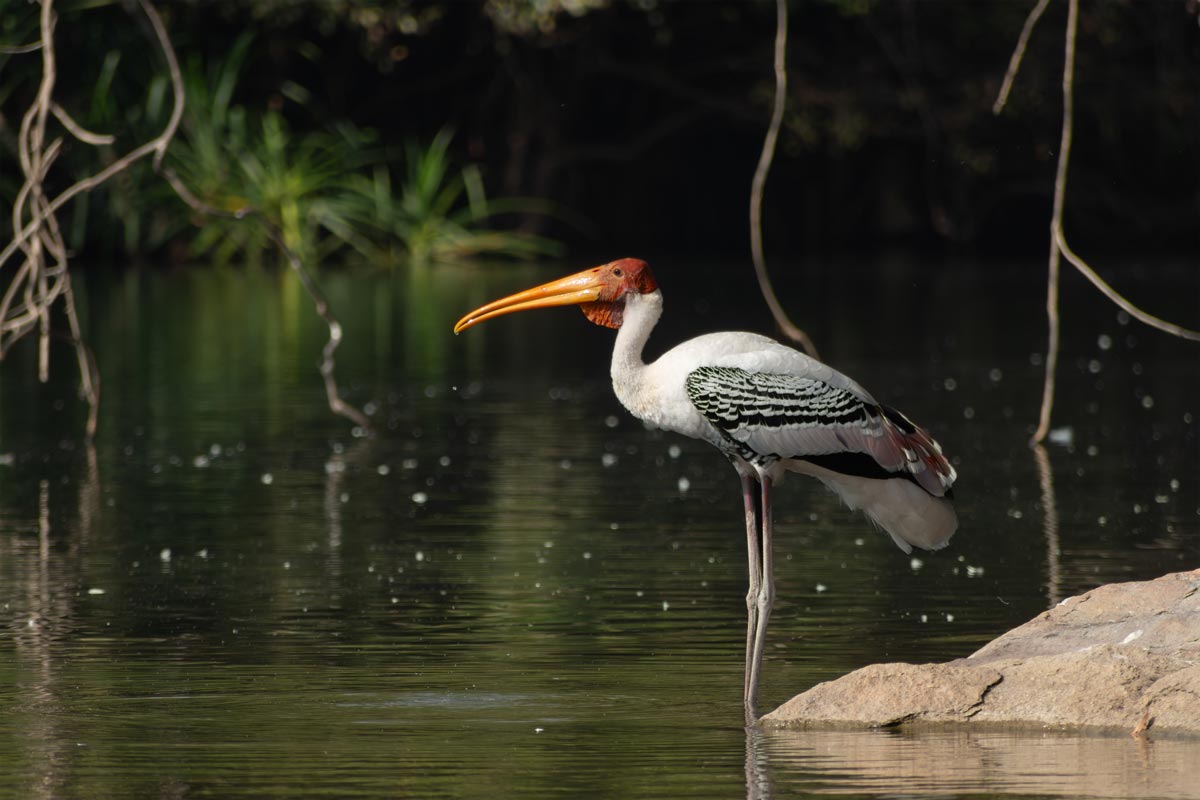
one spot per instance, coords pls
(600, 292)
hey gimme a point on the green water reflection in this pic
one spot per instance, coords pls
(513, 589)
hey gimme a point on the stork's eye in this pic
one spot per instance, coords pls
(618, 273)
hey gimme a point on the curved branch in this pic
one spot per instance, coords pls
(328, 363)
(1117, 298)
(1014, 63)
(760, 179)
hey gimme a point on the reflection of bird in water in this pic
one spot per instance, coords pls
(770, 409)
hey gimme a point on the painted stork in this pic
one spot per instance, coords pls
(771, 410)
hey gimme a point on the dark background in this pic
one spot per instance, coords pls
(643, 121)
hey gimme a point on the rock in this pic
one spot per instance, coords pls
(1122, 656)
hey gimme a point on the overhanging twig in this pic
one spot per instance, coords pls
(328, 363)
(790, 329)
(1058, 240)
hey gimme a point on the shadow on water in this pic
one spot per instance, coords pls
(516, 590)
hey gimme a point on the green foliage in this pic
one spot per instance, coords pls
(440, 214)
(327, 190)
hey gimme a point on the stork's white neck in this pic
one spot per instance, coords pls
(637, 320)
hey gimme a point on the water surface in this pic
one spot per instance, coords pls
(513, 589)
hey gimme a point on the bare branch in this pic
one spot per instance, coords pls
(1117, 298)
(1060, 192)
(19, 49)
(37, 285)
(1059, 246)
(1014, 63)
(78, 131)
(760, 179)
(328, 363)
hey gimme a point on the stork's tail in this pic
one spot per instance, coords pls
(922, 454)
(916, 512)
(910, 515)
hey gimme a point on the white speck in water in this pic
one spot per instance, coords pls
(164, 554)
(267, 478)
(611, 421)
(673, 451)
(419, 556)
(1104, 341)
(608, 459)
(666, 606)
(1064, 435)
(383, 469)
(409, 463)
(1102, 520)
(859, 542)
(639, 593)
(684, 484)
(968, 413)
(614, 526)
(564, 464)
(924, 618)
(444, 461)
(950, 384)
(1122, 317)
(1035, 359)
(95, 590)
(995, 375)
(587, 556)
(1147, 401)
(1095, 366)
(538, 730)
(916, 563)
(820, 587)
(287, 565)
(1161, 499)
(949, 618)
(202, 552)
(419, 498)
(344, 497)
(200, 461)
(1174, 484)
(1093, 450)
(973, 572)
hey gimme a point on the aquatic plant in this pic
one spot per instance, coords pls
(440, 214)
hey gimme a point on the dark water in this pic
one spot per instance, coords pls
(514, 589)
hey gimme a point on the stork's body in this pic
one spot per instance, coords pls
(770, 409)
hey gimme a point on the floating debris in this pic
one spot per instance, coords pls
(1064, 435)
(267, 478)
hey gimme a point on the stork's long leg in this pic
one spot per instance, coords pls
(764, 599)
(753, 559)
